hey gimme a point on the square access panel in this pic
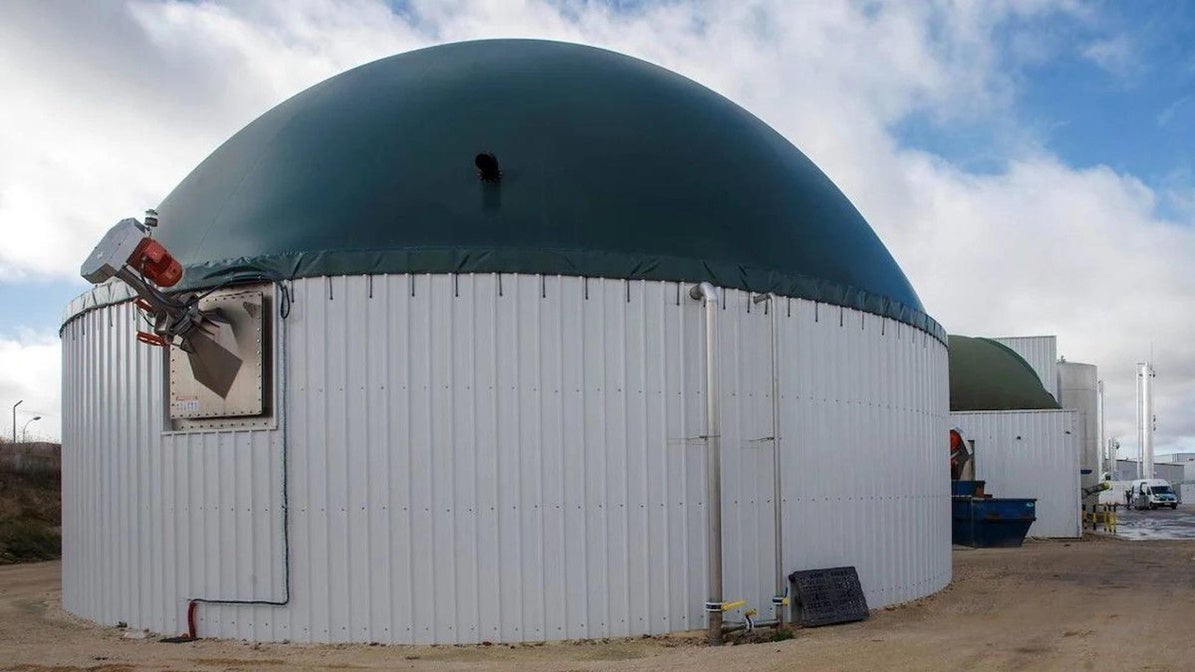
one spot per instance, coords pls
(192, 404)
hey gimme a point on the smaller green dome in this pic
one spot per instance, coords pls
(986, 375)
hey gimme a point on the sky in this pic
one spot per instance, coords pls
(1029, 163)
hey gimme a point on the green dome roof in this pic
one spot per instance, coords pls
(986, 375)
(611, 167)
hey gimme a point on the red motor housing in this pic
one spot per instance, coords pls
(152, 260)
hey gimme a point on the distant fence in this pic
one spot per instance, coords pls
(33, 458)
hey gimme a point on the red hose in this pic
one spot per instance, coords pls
(191, 607)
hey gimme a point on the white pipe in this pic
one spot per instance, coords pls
(713, 463)
(1147, 409)
(777, 519)
(739, 627)
(778, 528)
(1105, 467)
(1140, 428)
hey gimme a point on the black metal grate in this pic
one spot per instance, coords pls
(828, 596)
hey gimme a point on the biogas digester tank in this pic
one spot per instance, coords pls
(473, 404)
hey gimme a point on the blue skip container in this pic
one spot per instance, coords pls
(992, 522)
(967, 488)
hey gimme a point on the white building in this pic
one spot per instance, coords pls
(1025, 444)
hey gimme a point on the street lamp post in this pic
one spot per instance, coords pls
(14, 420)
(25, 429)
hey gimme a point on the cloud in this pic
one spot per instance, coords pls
(114, 103)
(1046, 249)
(1113, 54)
(1168, 113)
(105, 121)
(108, 106)
(32, 370)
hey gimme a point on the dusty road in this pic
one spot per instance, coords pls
(1102, 604)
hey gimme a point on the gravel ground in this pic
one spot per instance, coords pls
(1081, 605)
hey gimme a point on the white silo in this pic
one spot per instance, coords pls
(1078, 387)
(1146, 420)
(451, 382)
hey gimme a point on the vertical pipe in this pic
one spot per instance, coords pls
(713, 463)
(1103, 446)
(778, 528)
(777, 513)
(1140, 428)
(1147, 410)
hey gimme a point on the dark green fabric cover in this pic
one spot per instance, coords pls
(612, 167)
(986, 375)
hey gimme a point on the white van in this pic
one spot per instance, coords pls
(1152, 493)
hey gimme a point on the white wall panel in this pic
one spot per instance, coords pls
(502, 458)
(1041, 353)
(1030, 454)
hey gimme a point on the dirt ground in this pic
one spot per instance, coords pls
(1047, 606)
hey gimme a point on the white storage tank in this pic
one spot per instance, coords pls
(468, 397)
(1078, 387)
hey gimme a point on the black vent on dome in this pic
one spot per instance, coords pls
(487, 167)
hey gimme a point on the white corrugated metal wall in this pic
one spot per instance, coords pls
(1029, 454)
(506, 458)
(1041, 353)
